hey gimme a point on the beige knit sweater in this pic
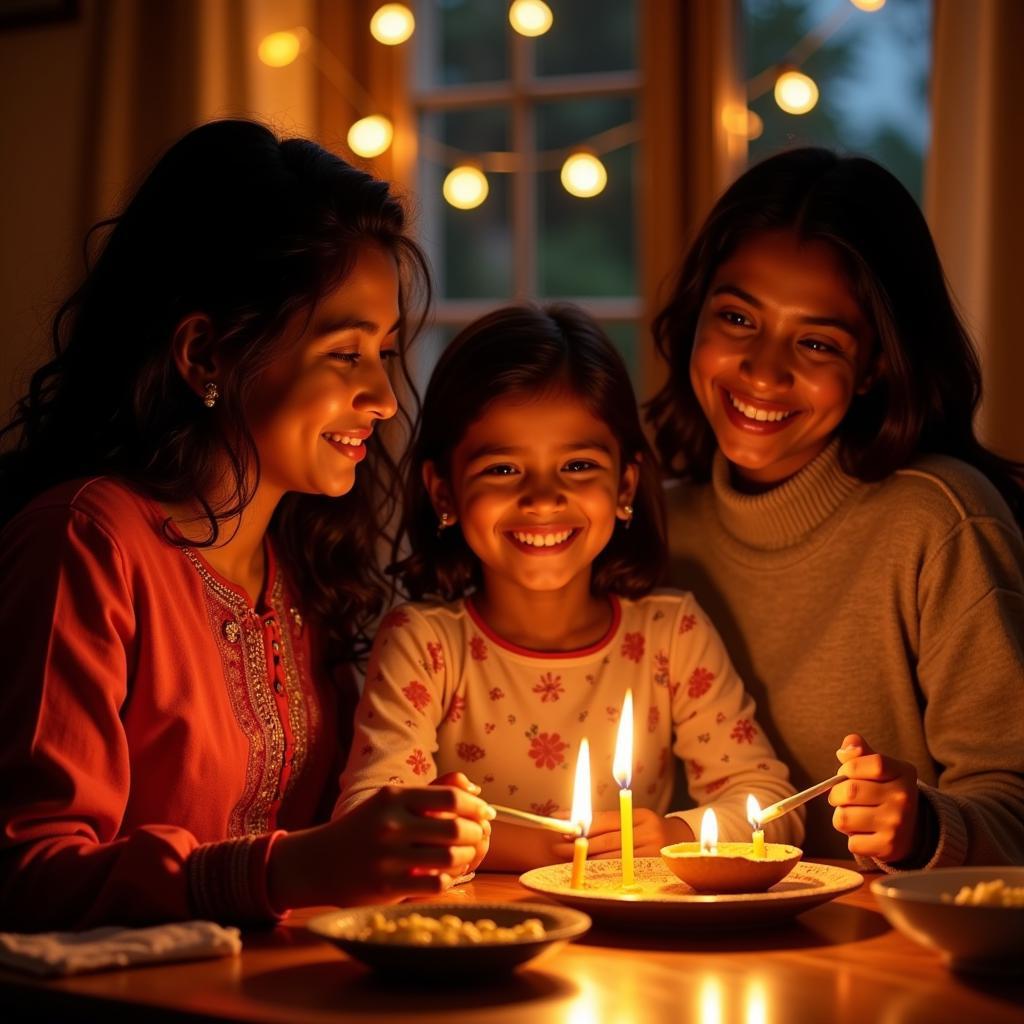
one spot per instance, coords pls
(894, 610)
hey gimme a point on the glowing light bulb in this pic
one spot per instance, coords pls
(279, 49)
(868, 5)
(466, 187)
(584, 175)
(738, 120)
(530, 17)
(795, 92)
(370, 136)
(392, 24)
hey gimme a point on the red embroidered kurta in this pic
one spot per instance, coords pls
(158, 729)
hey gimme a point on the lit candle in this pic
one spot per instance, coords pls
(581, 814)
(754, 817)
(622, 769)
(709, 833)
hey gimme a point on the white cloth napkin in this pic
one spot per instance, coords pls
(52, 953)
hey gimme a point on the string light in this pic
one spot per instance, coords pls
(583, 175)
(392, 24)
(739, 120)
(466, 187)
(795, 92)
(868, 5)
(279, 49)
(530, 17)
(370, 136)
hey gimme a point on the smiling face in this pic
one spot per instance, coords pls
(312, 409)
(781, 348)
(536, 486)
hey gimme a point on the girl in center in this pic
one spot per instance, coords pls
(534, 519)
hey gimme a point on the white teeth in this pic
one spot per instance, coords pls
(542, 540)
(344, 439)
(761, 415)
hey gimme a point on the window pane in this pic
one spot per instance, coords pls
(462, 41)
(586, 246)
(625, 336)
(589, 35)
(471, 250)
(872, 76)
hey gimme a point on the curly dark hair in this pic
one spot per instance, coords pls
(527, 351)
(249, 230)
(929, 383)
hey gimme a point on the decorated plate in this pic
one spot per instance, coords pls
(429, 958)
(662, 900)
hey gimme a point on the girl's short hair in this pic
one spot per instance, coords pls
(249, 230)
(928, 384)
(526, 351)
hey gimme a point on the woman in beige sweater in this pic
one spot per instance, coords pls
(834, 512)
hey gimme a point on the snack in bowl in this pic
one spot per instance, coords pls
(458, 940)
(972, 917)
(732, 868)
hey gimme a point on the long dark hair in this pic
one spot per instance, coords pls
(250, 231)
(929, 382)
(525, 351)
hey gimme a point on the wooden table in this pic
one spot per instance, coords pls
(838, 963)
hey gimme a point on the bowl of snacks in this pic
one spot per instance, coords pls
(437, 939)
(972, 917)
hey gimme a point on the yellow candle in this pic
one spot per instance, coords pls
(754, 817)
(581, 814)
(579, 861)
(759, 850)
(622, 769)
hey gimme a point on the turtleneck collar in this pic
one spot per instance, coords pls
(785, 515)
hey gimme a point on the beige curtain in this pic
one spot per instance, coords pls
(694, 96)
(973, 192)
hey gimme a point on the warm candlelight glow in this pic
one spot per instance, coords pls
(622, 769)
(581, 814)
(709, 832)
(279, 49)
(754, 817)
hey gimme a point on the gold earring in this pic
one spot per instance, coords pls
(210, 394)
(628, 509)
(443, 524)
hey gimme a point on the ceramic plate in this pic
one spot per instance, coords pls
(343, 926)
(663, 900)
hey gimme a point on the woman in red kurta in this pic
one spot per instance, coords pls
(183, 568)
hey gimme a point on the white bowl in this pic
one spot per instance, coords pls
(973, 938)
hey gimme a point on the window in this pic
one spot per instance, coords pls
(516, 107)
(871, 68)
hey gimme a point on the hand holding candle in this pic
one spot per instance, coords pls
(581, 814)
(622, 769)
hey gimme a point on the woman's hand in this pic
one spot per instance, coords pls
(461, 781)
(400, 842)
(650, 833)
(877, 805)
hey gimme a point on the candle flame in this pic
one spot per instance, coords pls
(753, 811)
(622, 766)
(581, 814)
(709, 832)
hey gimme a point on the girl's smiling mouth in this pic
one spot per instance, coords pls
(758, 417)
(542, 540)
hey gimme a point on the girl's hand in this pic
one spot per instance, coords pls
(877, 806)
(650, 833)
(461, 781)
(400, 842)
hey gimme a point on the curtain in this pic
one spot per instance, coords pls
(972, 192)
